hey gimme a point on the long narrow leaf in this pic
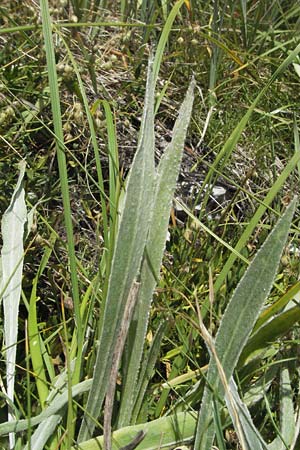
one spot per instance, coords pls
(33, 330)
(57, 402)
(63, 172)
(12, 226)
(100, 183)
(46, 429)
(147, 368)
(167, 430)
(243, 4)
(164, 38)
(44, 432)
(130, 243)
(166, 182)
(239, 319)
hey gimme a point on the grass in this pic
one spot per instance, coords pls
(210, 349)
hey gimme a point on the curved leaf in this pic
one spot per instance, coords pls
(268, 333)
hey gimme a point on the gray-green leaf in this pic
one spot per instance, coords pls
(238, 321)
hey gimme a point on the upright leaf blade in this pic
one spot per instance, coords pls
(130, 244)
(36, 352)
(12, 226)
(64, 182)
(168, 171)
(239, 319)
(164, 38)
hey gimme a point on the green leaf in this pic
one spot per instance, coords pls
(168, 171)
(243, 4)
(130, 244)
(146, 370)
(35, 339)
(271, 331)
(239, 319)
(164, 38)
(44, 431)
(166, 433)
(64, 182)
(277, 306)
(59, 395)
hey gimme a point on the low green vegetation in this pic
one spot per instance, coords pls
(150, 162)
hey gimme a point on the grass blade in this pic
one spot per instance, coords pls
(62, 166)
(146, 370)
(243, 4)
(239, 319)
(44, 431)
(100, 183)
(114, 181)
(164, 38)
(33, 330)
